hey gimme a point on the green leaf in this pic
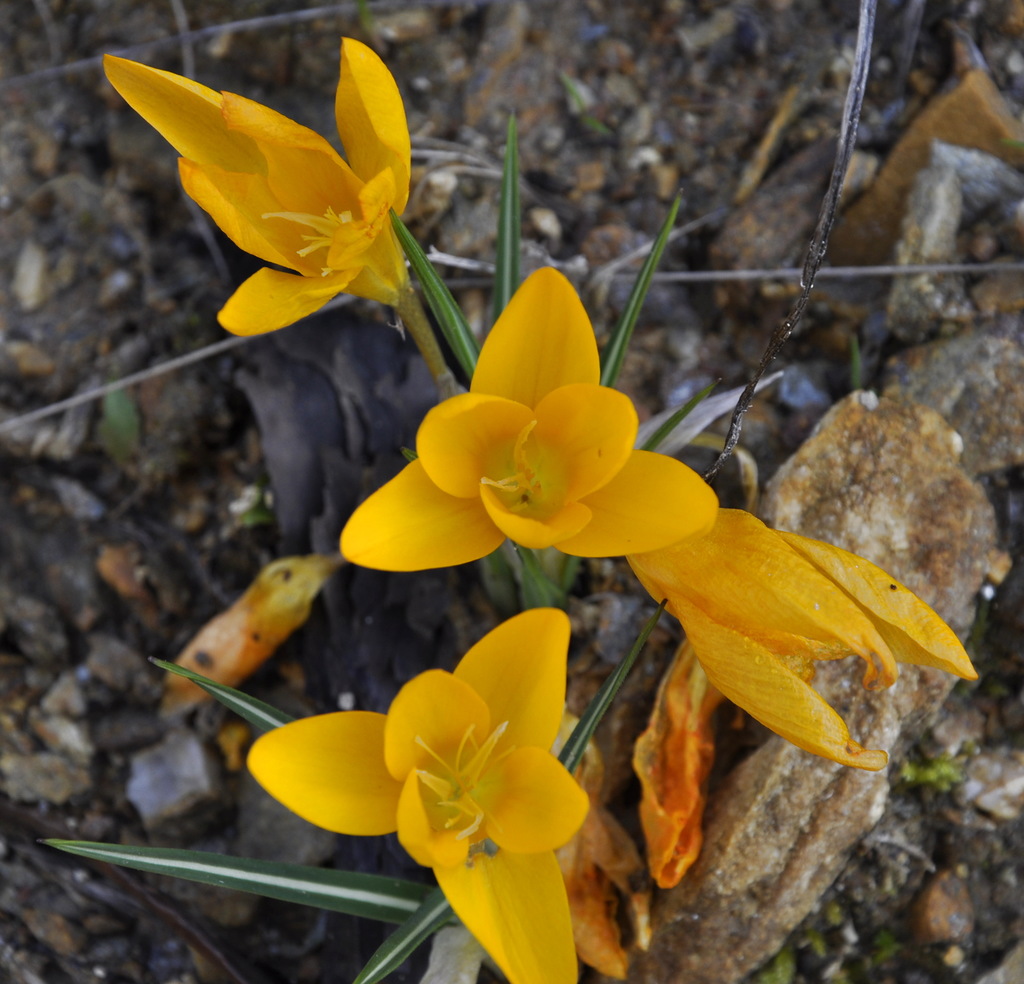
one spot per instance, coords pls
(506, 268)
(449, 315)
(372, 896)
(261, 716)
(427, 919)
(119, 429)
(615, 351)
(654, 441)
(576, 744)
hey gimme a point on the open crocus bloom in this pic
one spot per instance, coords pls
(460, 766)
(282, 192)
(760, 606)
(538, 451)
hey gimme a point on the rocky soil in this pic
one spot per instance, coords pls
(895, 430)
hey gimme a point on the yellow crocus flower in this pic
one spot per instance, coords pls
(460, 766)
(537, 451)
(761, 606)
(281, 192)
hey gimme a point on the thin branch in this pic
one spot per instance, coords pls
(819, 242)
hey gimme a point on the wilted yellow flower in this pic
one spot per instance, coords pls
(281, 192)
(761, 606)
(538, 451)
(460, 766)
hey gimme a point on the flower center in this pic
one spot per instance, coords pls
(531, 490)
(457, 784)
(326, 229)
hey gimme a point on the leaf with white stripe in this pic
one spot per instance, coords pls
(372, 896)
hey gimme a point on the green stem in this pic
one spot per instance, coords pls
(410, 310)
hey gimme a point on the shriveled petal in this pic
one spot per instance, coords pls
(371, 118)
(913, 631)
(428, 721)
(459, 437)
(272, 299)
(654, 501)
(426, 846)
(187, 114)
(543, 340)
(518, 669)
(535, 533)
(237, 202)
(592, 428)
(753, 678)
(329, 769)
(531, 802)
(516, 907)
(409, 524)
(745, 576)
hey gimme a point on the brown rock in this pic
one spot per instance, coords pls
(943, 912)
(973, 114)
(973, 380)
(879, 478)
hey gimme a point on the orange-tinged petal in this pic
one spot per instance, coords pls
(516, 907)
(652, 502)
(753, 678)
(531, 802)
(384, 273)
(458, 439)
(371, 118)
(272, 299)
(428, 721)
(543, 340)
(518, 669)
(329, 769)
(187, 114)
(409, 524)
(747, 577)
(592, 428)
(426, 845)
(352, 240)
(535, 533)
(913, 631)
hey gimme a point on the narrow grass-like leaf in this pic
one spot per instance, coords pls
(654, 441)
(371, 896)
(576, 744)
(427, 919)
(615, 351)
(506, 263)
(261, 716)
(439, 299)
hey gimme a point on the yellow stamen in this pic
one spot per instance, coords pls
(326, 225)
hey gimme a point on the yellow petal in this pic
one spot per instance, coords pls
(654, 501)
(426, 845)
(409, 524)
(187, 114)
(531, 802)
(592, 428)
(516, 907)
(745, 576)
(375, 200)
(753, 678)
(428, 720)
(518, 669)
(384, 273)
(329, 769)
(272, 299)
(458, 440)
(543, 340)
(237, 202)
(910, 627)
(371, 118)
(535, 533)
